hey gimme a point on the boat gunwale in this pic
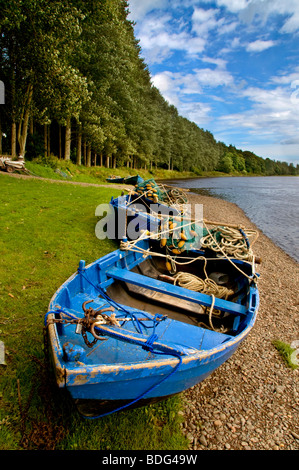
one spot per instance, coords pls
(199, 355)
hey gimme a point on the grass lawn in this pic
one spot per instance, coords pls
(66, 170)
(46, 228)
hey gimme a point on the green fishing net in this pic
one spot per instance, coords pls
(178, 234)
(151, 190)
(159, 193)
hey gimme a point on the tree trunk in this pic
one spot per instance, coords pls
(59, 143)
(49, 140)
(45, 140)
(13, 110)
(67, 150)
(101, 159)
(95, 159)
(79, 147)
(13, 140)
(24, 120)
(107, 161)
(88, 159)
(84, 152)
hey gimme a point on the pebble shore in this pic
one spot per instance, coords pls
(252, 401)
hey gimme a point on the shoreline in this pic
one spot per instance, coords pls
(250, 401)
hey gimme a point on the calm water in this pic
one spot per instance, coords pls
(272, 203)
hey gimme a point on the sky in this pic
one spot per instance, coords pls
(230, 66)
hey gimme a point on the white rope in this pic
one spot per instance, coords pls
(205, 286)
(232, 242)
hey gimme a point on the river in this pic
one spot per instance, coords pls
(271, 202)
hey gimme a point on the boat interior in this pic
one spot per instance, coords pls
(149, 286)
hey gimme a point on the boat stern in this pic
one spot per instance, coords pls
(55, 353)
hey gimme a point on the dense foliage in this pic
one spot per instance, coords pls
(77, 87)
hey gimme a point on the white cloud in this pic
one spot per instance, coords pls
(273, 114)
(221, 63)
(203, 21)
(191, 83)
(168, 84)
(140, 8)
(180, 90)
(159, 39)
(263, 9)
(233, 5)
(259, 45)
(200, 113)
(285, 153)
(287, 78)
(213, 77)
(292, 24)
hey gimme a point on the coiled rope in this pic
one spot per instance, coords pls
(234, 242)
(205, 286)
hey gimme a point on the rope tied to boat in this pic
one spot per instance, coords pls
(92, 318)
(231, 241)
(148, 346)
(205, 286)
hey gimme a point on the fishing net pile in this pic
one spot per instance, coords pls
(179, 234)
(161, 193)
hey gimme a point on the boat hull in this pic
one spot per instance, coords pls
(115, 180)
(89, 404)
(123, 367)
(133, 180)
(130, 379)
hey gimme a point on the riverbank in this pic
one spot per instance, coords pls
(251, 402)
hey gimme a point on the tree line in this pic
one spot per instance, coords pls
(77, 87)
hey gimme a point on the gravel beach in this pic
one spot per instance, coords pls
(252, 401)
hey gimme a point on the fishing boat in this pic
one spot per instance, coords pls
(134, 207)
(126, 330)
(115, 179)
(136, 179)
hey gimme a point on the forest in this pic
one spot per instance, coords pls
(77, 88)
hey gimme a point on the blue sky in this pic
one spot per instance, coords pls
(231, 66)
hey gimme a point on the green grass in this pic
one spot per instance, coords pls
(99, 174)
(46, 228)
(286, 352)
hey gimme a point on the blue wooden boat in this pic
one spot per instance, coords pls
(136, 179)
(115, 179)
(123, 334)
(130, 207)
